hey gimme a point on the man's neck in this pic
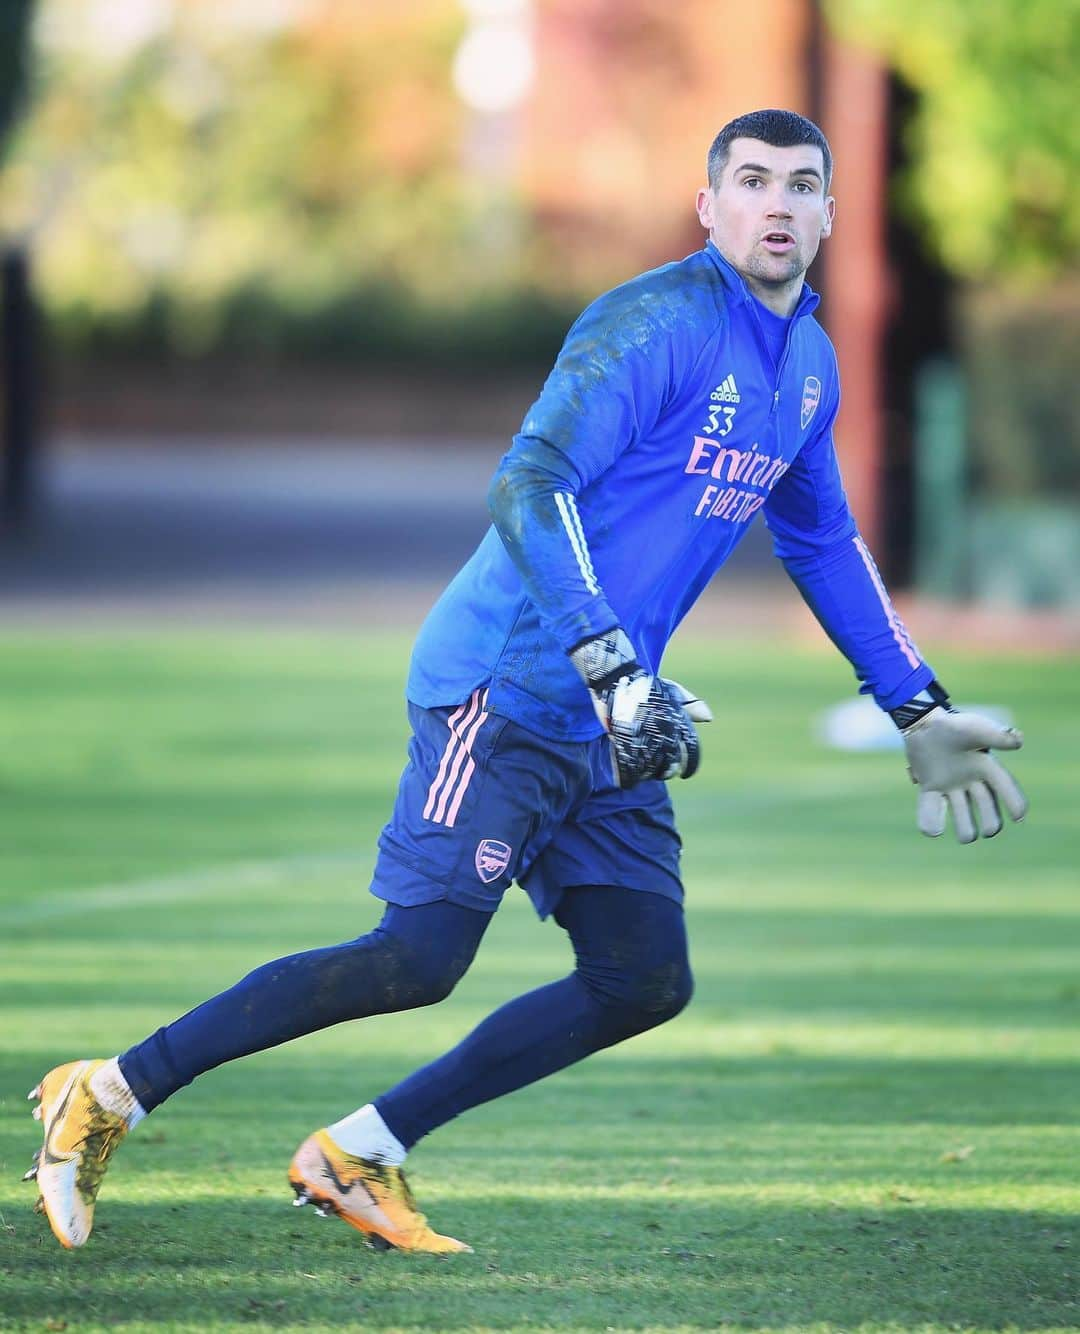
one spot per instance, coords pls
(781, 299)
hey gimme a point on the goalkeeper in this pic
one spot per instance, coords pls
(681, 404)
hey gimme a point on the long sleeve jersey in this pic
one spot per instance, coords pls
(664, 428)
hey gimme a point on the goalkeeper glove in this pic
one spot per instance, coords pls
(649, 721)
(949, 759)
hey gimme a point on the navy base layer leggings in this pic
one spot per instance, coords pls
(631, 973)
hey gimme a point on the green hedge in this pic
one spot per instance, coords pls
(377, 324)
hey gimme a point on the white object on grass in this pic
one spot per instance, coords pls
(858, 724)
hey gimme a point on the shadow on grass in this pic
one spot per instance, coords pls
(613, 1095)
(783, 1087)
(555, 1263)
(1015, 998)
(899, 968)
(598, 1237)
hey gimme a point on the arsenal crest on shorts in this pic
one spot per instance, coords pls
(811, 397)
(492, 858)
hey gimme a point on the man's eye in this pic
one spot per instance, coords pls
(804, 187)
(755, 181)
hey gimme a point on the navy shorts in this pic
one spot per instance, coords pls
(483, 801)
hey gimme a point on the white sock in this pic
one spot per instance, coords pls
(365, 1134)
(114, 1093)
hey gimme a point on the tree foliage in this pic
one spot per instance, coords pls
(297, 172)
(995, 141)
(255, 171)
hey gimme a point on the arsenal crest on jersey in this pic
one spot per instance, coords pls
(492, 858)
(811, 397)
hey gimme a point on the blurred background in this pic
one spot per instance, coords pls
(273, 269)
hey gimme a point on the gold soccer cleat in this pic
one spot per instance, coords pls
(80, 1136)
(370, 1196)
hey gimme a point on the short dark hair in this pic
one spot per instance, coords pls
(781, 129)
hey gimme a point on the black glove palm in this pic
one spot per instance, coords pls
(649, 720)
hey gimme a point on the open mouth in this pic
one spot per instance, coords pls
(778, 241)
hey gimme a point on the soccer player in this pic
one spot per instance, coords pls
(681, 404)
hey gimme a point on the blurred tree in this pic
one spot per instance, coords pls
(18, 365)
(14, 41)
(289, 173)
(257, 175)
(994, 139)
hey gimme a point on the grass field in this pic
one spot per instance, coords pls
(866, 1119)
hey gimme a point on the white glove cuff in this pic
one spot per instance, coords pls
(600, 661)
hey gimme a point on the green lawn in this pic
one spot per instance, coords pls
(866, 1119)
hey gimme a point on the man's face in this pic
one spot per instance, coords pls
(769, 213)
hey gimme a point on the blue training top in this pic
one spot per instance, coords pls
(664, 427)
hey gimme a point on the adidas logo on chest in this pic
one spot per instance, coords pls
(726, 392)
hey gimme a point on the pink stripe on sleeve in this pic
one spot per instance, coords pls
(896, 625)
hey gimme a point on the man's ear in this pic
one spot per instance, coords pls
(705, 208)
(830, 213)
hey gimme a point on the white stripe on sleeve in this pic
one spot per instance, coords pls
(571, 520)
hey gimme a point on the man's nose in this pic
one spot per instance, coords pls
(778, 206)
